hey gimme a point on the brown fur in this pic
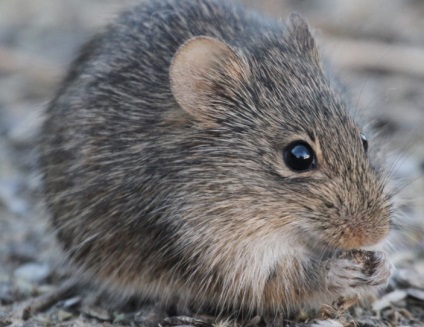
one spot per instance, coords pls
(163, 164)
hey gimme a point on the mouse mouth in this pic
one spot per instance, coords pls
(343, 238)
(327, 239)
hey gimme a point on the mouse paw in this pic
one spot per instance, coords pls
(357, 271)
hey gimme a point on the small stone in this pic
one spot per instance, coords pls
(326, 323)
(388, 299)
(63, 315)
(73, 301)
(416, 294)
(184, 320)
(409, 278)
(98, 313)
(119, 318)
(33, 272)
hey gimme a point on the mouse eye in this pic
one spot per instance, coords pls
(364, 142)
(299, 156)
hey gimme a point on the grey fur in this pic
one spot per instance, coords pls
(148, 199)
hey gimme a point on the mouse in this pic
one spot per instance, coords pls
(201, 154)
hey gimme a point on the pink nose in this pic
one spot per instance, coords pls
(359, 235)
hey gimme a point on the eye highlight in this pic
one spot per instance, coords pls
(364, 142)
(299, 156)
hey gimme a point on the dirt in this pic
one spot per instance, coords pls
(377, 50)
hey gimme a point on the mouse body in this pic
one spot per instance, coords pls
(199, 153)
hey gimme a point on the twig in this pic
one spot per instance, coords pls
(47, 300)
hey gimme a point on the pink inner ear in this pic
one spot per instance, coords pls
(194, 68)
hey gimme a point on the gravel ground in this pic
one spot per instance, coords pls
(377, 48)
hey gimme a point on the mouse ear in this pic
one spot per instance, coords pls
(299, 30)
(197, 72)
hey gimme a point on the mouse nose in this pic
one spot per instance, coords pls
(356, 233)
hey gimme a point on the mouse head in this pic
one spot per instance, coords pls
(287, 156)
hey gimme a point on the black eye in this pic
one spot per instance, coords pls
(299, 156)
(364, 142)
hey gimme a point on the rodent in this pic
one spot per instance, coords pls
(199, 153)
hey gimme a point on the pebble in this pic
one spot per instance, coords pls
(409, 278)
(97, 312)
(63, 315)
(326, 323)
(387, 300)
(33, 272)
(416, 294)
(72, 302)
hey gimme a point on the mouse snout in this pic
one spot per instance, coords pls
(357, 232)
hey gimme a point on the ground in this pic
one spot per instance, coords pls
(376, 47)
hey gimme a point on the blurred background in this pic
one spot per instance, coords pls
(375, 47)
